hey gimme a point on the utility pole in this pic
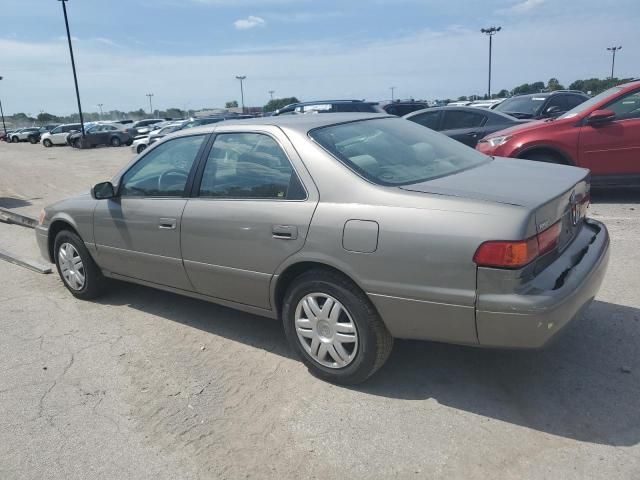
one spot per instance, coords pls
(150, 103)
(242, 79)
(393, 89)
(613, 60)
(3, 124)
(73, 63)
(491, 31)
(271, 92)
(100, 107)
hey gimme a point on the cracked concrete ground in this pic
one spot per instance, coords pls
(145, 384)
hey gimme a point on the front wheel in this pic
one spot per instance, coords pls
(77, 143)
(33, 140)
(332, 325)
(14, 140)
(141, 148)
(115, 142)
(47, 143)
(76, 268)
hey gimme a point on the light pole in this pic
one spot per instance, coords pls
(393, 90)
(613, 60)
(73, 63)
(271, 92)
(150, 104)
(3, 124)
(100, 107)
(491, 31)
(242, 79)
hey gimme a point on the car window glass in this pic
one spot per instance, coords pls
(429, 119)
(574, 100)
(56, 130)
(249, 165)
(626, 107)
(461, 119)
(163, 172)
(559, 101)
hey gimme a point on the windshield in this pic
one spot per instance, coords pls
(394, 151)
(529, 105)
(591, 102)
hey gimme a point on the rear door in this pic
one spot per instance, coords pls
(613, 148)
(137, 233)
(430, 119)
(463, 125)
(252, 209)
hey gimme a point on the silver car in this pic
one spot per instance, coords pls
(353, 229)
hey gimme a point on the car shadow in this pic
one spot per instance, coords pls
(584, 386)
(615, 195)
(12, 202)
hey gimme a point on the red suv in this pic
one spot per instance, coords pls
(601, 134)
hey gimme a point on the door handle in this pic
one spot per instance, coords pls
(472, 134)
(167, 224)
(284, 232)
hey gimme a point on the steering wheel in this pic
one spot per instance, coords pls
(173, 171)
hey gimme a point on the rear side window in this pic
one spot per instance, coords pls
(455, 119)
(574, 101)
(249, 165)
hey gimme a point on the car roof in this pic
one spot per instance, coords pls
(298, 123)
(462, 108)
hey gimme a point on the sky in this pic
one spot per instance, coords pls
(188, 52)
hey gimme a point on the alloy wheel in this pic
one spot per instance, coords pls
(71, 266)
(326, 330)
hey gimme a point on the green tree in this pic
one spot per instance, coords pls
(277, 103)
(47, 118)
(173, 113)
(504, 93)
(231, 104)
(553, 84)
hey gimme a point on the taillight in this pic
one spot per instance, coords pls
(517, 254)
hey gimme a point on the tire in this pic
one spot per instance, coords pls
(141, 148)
(360, 358)
(14, 140)
(33, 140)
(47, 143)
(93, 282)
(77, 143)
(545, 157)
(115, 142)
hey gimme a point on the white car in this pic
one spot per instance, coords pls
(22, 134)
(140, 143)
(58, 136)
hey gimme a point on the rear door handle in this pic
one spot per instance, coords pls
(473, 134)
(167, 224)
(285, 232)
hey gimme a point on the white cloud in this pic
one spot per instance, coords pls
(249, 22)
(522, 7)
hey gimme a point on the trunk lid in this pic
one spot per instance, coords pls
(550, 192)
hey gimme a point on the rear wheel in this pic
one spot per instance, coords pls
(76, 268)
(115, 142)
(47, 143)
(77, 143)
(33, 140)
(331, 324)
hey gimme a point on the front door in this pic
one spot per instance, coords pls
(613, 148)
(251, 212)
(137, 233)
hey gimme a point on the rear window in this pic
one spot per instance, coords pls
(393, 151)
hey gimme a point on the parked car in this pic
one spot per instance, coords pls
(353, 229)
(6, 136)
(142, 142)
(464, 124)
(329, 106)
(459, 103)
(102, 134)
(490, 104)
(34, 137)
(143, 126)
(542, 105)
(401, 108)
(601, 134)
(58, 136)
(21, 134)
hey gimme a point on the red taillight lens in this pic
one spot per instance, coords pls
(510, 254)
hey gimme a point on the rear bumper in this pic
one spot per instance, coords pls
(533, 313)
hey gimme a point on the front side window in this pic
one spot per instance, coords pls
(428, 119)
(392, 151)
(461, 119)
(164, 171)
(56, 130)
(626, 107)
(249, 165)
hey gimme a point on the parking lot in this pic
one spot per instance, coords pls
(145, 384)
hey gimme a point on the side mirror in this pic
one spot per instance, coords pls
(600, 116)
(102, 191)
